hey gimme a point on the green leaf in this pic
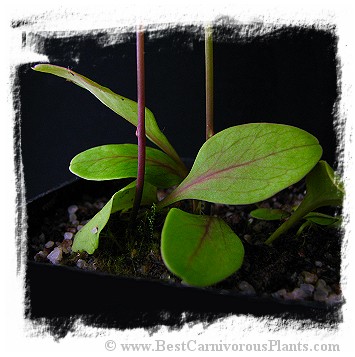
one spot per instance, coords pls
(201, 250)
(116, 161)
(322, 189)
(304, 225)
(122, 106)
(323, 219)
(268, 214)
(248, 163)
(87, 239)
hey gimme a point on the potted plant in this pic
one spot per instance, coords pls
(240, 166)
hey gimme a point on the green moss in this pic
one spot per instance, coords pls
(135, 255)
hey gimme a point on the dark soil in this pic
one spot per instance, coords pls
(304, 267)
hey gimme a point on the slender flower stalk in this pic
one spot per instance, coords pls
(141, 124)
(209, 81)
(209, 91)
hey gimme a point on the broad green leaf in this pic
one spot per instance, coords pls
(87, 239)
(201, 250)
(322, 189)
(268, 214)
(248, 163)
(122, 106)
(117, 161)
(322, 219)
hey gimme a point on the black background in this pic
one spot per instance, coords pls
(286, 76)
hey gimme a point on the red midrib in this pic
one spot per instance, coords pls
(210, 175)
(159, 163)
(201, 242)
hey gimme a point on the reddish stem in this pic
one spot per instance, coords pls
(209, 91)
(209, 81)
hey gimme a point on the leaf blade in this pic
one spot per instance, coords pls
(124, 107)
(117, 161)
(87, 239)
(201, 250)
(323, 219)
(323, 188)
(268, 214)
(248, 163)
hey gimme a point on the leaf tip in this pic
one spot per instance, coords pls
(35, 67)
(39, 67)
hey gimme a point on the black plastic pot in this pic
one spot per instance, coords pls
(59, 293)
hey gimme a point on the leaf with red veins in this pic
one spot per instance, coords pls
(201, 250)
(248, 163)
(117, 161)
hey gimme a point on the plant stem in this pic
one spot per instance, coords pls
(209, 92)
(209, 81)
(302, 210)
(141, 125)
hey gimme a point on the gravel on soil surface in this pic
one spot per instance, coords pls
(293, 268)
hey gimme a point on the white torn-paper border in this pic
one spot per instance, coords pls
(88, 16)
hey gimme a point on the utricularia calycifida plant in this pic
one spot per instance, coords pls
(240, 165)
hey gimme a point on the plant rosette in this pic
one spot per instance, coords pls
(241, 165)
